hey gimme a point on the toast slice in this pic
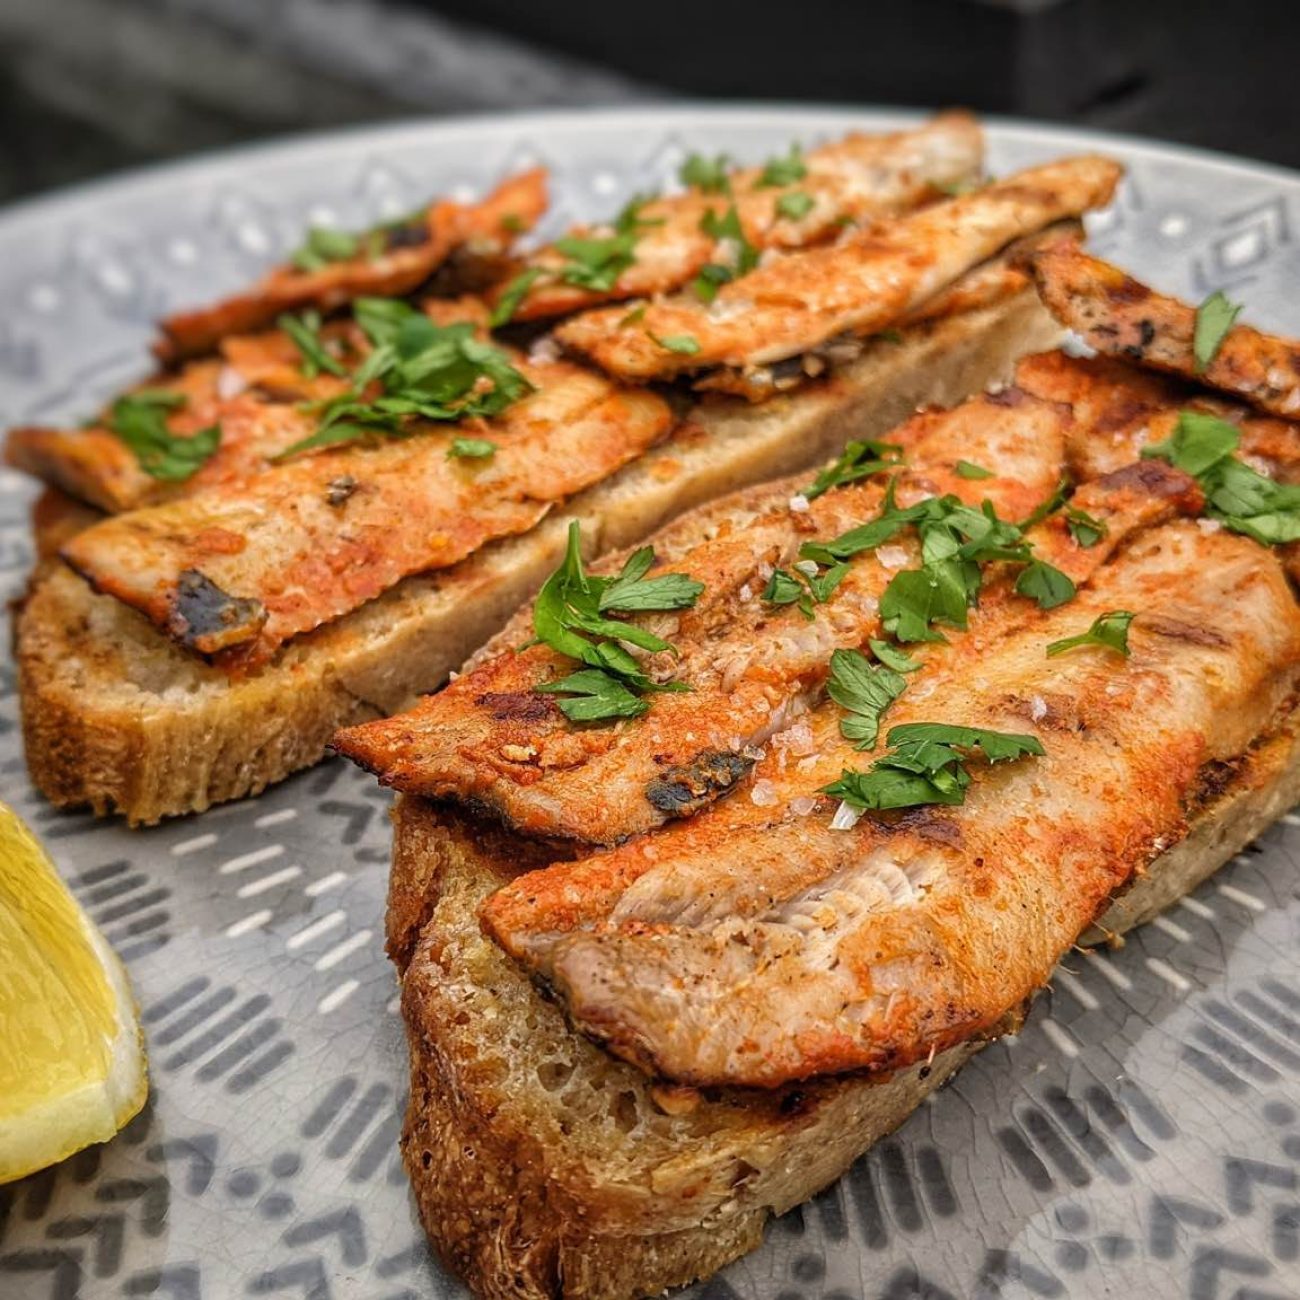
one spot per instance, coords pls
(545, 1168)
(118, 718)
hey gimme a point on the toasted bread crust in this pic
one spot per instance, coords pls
(117, 719)
(533, 1182)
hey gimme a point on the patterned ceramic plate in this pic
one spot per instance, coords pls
(1141, 1137)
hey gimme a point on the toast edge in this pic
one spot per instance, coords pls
(517, 1218)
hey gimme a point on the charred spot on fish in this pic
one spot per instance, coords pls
(516, 706)
(277, 394)
(412, 236)
(1128, 290)
(681, 790)
(1146, 335)
(1211, 781)
(207, 619)
(930, 825)
(338, 490)
(1176, 630)
(1008, 396)
(1153, 477)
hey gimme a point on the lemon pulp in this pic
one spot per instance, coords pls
(71, 1062)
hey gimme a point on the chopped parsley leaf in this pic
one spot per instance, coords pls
(140, 420)
(440, 373)
(1045, 584)
(783, 170)
(683, 344)
(323, 246)
(304, 330)
(927, 764)
(1110, 631)
(728, 228)
(708, 175)
(1214, 318)
(892, 657)
(794, 206)
(569, 617)
(865, 691)
(967, 469)
(1241, 498)
(1085, 530)
(858, 460)
(512, 295)
(472, 448)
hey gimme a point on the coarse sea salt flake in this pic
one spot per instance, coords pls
(846, 817)
(763, 794)
(799, 504)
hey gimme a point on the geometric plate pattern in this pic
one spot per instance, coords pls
(1140, 1137)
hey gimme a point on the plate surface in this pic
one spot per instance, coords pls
(1141, 1137)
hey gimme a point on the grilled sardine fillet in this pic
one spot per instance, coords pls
(390, 262)
(998, 279)
(1120, 316)
(490, 741)
(252, 391)
(758, 945)
(235, 572)
(857, 180)
(868, 282)
(1118, 410)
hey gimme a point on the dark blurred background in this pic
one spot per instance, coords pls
(91, 86)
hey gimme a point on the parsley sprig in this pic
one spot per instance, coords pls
(304, 331)
(570, 616)
(426, 371)
(806, 586)
(1109, 630)
(1241, 498)
(708, 175)
(956, 540)
(140, 420)
(928, 764)
(728, 231)
(859, 460)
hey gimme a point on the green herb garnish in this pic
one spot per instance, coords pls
(304, 330)
(431, 372)
(1110, 630)
(805, 587)
(892, 657)
(569, 616)
(967, 469)
(859, 460)
(794, 206)
(140, 420)
(783, 170)
(683, 344)
(927, 764)
(1045, 584)
(1214, 318)
(512, 295)
(865, 691)
(323, 246)
(1085, 530)
(708, 175)
(472, 448)
(1241, 498)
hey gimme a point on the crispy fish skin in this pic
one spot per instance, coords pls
(864, 284)
(760, 946)
(489, 741)
(234, 572)
(858, 179)
(400, 268)
(1122, 317)
(251, 391)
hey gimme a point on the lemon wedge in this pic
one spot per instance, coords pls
(72, 1067)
